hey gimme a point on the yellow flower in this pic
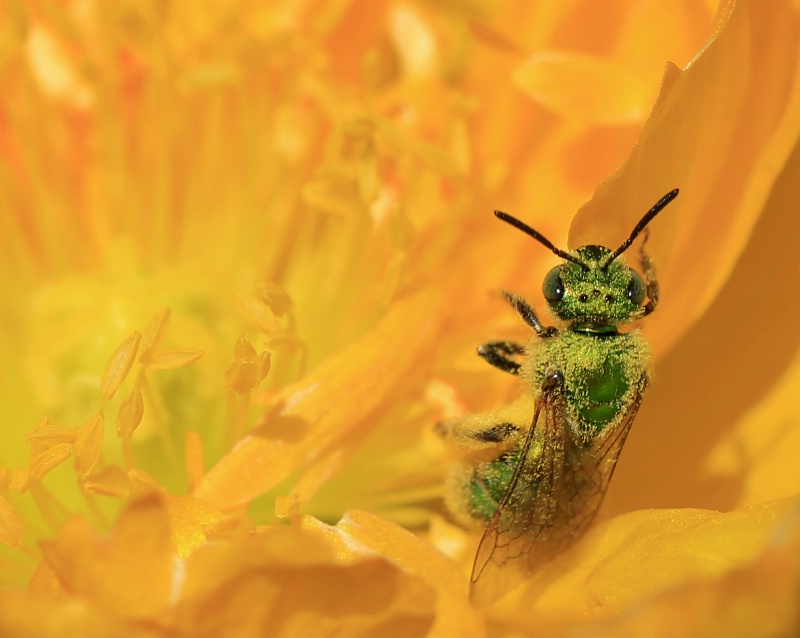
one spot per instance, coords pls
(248, 254)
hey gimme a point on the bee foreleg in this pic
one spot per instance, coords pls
(497, 353)
(528, 314)
(475, 433)
(651, 282)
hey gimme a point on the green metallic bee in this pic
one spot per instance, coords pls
(535, 471)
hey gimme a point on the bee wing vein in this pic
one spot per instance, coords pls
(553, 494)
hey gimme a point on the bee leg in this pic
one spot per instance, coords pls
(497, 354)
(476, 434)
(649, 277)
(528, 314)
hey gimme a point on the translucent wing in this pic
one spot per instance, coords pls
(554, 493)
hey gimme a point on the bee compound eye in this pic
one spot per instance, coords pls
(636, 290)
(553, 286)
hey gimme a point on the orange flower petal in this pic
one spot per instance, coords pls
(309, 482)
(712, 453)
(761, 451)
(25, 614)
(359, 530)
(326, 406)
(189, 517)
(756, 599)
(720, 131)
(633, 558)
(285, 581)
(588, 89)
(129, 574)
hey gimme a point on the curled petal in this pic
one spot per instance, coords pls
(286, 581)
(359, 531)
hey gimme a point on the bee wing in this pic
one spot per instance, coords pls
(555, 491)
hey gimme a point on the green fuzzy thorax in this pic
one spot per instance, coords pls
(601, 374)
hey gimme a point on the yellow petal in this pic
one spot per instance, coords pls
(57, 75)
(632, 559)
(720, 131)
(128, 574)
(231, 527)
(312, 415)
(309, 482)
(586, 88)
(359, 531)
(761, 450)
(756, 599)
(23, 614)
(189, 519)
(490, 37)
(286, 582)
(734, 457)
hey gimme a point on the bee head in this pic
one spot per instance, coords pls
(593, 286)
(596, 291)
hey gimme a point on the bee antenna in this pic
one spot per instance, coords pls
(538, 237)
(655, 210)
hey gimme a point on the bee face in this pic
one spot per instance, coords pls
(592, 290)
